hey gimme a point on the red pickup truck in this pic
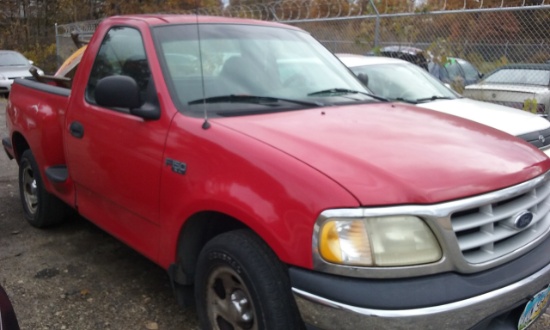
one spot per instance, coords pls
(246, 160)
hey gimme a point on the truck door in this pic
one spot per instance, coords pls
(115, 158)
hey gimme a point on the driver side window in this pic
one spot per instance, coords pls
(121, 53)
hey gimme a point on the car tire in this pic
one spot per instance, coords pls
(41, 208)
(241, 284)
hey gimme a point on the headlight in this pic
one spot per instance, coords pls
(378, 241)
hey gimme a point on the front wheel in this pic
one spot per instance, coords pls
(40, 207)
(241, 284)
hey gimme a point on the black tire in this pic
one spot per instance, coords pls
(241, 284)
(41, 208)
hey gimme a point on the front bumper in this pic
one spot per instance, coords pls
(490, 300)
(5, 86)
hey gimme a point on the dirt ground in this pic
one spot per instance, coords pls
(78, 277)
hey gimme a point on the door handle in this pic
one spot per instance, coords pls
(76, 129)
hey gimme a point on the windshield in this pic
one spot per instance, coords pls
(405, 82)
(12, 59)
(520, 76)
(286, 67)
(470, 72)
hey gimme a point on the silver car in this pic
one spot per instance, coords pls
(398, 80)
(13, 65)
(522, 86)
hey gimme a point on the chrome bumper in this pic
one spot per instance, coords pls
(326, 314)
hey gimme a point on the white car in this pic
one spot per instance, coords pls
(522, 86)
(399, 80)
(13, 65)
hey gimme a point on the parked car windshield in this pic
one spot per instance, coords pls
(251, 68)
(519, 77)
(470, 71)
(12, 59)
(405, 82)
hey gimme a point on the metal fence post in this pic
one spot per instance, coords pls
(377, 26)
(57, 57)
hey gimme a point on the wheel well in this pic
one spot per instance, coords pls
(19, 145)
(197, 231)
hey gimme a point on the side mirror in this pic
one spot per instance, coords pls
(117, 92)
(363, 78)
(123, 92)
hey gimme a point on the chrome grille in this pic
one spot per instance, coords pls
(486, 232)
(540, 139)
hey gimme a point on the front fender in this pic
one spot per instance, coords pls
(275, 195)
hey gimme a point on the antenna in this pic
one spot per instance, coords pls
(206, 123)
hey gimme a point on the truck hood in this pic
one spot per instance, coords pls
(391, 154)
(506, 119)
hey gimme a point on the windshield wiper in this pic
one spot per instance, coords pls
(340, 91)
(254, 99)
(433, 98)
(406, 100)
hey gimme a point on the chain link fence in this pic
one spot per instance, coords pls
(64, 40)
(507, 34)
(486, 37)
(488, 34)
(462, 45)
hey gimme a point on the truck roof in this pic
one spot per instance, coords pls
(163, 19)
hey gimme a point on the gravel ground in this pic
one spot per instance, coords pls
(78, 277)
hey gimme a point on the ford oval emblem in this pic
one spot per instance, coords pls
(523, 219)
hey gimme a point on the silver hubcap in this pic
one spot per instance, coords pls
(30, 191)
(228, 301)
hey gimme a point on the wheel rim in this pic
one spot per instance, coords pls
(228, 301)
(30, 189)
